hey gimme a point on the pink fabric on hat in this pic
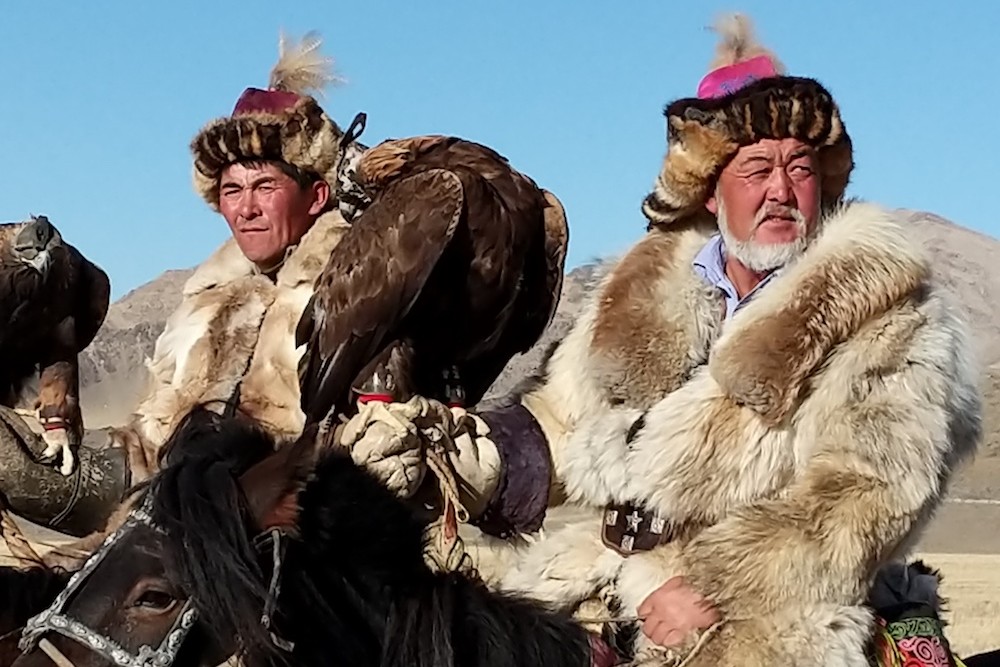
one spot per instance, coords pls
(273, 101)
(731, 78)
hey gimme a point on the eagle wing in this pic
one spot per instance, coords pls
(370, 282)
(20, 287)
(536, 306)
(92, 301)
(392, 158)
(556, 244)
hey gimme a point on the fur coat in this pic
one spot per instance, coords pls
(232, 323)
(794, 449)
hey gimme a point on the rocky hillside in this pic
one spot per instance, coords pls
(113, 371)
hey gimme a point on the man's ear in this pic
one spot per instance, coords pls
(272, 486)
(712, 205)
(321, 195)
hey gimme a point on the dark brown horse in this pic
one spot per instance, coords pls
(24, 593)
(281, 557)
(988, 659)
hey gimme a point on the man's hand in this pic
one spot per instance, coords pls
(673, 611)
(384, 439)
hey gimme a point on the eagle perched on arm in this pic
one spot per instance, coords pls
(52, 302)
(454, 267)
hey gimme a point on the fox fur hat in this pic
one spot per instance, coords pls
(280, 123)
(745, 97)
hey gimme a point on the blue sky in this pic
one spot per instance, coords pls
(101, 99)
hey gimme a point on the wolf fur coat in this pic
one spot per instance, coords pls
(232, 323)
(794, 449)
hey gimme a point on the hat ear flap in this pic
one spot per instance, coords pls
(697, 149)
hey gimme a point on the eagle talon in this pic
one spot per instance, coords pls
(57, 442)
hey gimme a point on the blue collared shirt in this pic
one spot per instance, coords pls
(710, 264)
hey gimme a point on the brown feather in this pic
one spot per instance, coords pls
(556, 245)
(372, 279)
(49, 316)
(487, 294)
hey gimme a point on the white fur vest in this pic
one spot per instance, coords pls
(235, 325)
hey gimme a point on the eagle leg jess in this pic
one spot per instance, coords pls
(58, 407)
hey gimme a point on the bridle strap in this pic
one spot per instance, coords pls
(54, 620)
(276, 536)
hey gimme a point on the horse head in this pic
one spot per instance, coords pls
(242, 546)
(186, 579)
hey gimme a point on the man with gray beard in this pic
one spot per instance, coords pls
(778, 177)
(755, 415)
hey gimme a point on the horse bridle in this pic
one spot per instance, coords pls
(55, 620)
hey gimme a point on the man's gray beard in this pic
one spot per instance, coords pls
(763, 257)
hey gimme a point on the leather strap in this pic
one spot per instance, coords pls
(628, 529)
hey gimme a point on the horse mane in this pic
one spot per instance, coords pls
(355, 576)
(197, 501)
(25, 592)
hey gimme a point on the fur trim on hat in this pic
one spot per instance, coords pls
(301, 135)
(704, 134)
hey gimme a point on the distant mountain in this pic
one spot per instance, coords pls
(112, 368)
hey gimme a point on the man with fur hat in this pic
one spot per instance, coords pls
(270, 169)
(758, 410)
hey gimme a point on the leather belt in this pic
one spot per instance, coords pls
(628, 529)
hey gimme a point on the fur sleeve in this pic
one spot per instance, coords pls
(146, 429)
(875, 476)
(549, 441)
(808, 511)
(573, 411)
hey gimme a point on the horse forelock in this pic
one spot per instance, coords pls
(208, 547)
(353, 578)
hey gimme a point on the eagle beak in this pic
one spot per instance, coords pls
(33, 241)
(26, 252)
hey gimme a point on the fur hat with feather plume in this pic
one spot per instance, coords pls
(283, 122)
(745, 97)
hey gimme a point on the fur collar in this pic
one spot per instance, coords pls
(862, 265)
(657, 321)
(228, 264)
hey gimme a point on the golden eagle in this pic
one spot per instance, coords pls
(454, 267)
(52, 302)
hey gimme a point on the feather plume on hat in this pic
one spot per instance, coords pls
(738, 43)
(301, 67)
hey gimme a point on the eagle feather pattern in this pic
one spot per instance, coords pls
(455, 267)
(53, 301)
(371, 282)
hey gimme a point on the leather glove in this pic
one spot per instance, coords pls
(384, 438)
(391, 439)
(475, 459)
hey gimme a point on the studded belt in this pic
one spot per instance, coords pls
(628, 529)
